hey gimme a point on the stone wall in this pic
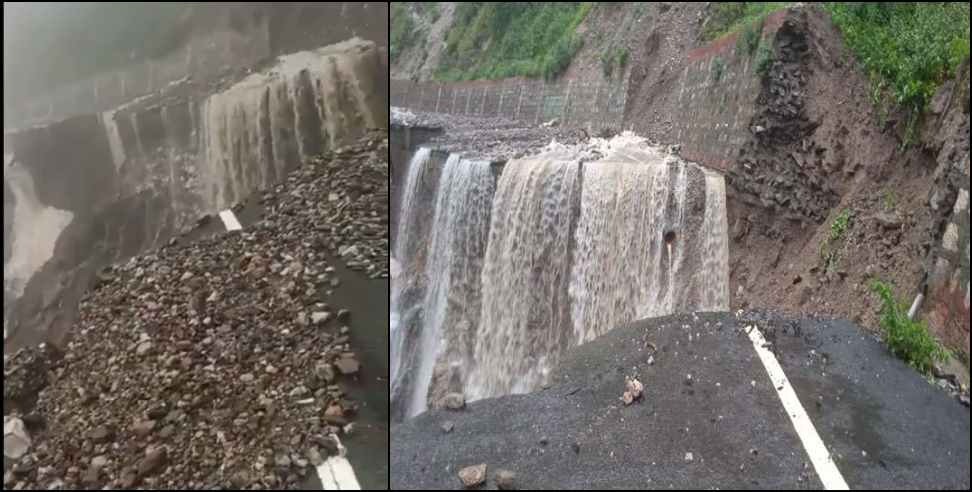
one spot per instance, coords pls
(948, 311)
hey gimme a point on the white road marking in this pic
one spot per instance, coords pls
(229, 220)
(336, 472)
(822, 462)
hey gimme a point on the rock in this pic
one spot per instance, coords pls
(504, 480)
(633, 390)
(91, 475)
(16, 441)
(472, 476)
(344, 316)
(330, 444)
(689, 457)
(247, 378)
(99, 461)
(129, 478)
(157, 412)
(314, 456)
(320, 317)
(888, 220)
(155, 458)
(447, 426)
(100, 434)
(334, 410)
(143, 348)
(347, 365)
(453, 401)
(167, 431)
(299, 391)
(144, 428)
(282, 460)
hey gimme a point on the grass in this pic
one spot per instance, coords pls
(764, 59)
(494, 40)
(402, 34)
(718, 68)
(907, 48)
(614, 59)
(730, 17)
(909, 340)
(890, 200)
(830, 249)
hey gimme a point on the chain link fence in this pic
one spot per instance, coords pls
(571, 102)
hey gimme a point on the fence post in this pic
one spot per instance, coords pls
(597, 92)
(540, 101)
(519, 101)
(566, 111)
(482, 106)
(455, 94)
(437, 98)
(499, 109)
(468, 95)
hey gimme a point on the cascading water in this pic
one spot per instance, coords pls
(406, 256)
(580, 240)
(525, 276)
(451, 304)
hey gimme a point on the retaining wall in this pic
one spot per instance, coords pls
(595, 105)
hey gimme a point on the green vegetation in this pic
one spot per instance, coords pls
(830, 249)
(750, 38)
(718, 68)
(611, 59)
(764, 59)
(730, 17)
(909, 340)
(907, 48)
(402, 29)
(493, 40)
(890, 200)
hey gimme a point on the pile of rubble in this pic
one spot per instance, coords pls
(217, 364)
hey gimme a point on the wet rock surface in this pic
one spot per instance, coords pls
(188, 367)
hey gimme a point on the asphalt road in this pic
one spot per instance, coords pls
(884, 425)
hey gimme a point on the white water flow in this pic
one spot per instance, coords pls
(404, 254)
(524, 281)
(451, 304)
(580, 240)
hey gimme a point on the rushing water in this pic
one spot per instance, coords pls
(451, 303)
(567, 245)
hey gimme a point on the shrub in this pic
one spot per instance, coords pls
(911, 47)
(908, 340)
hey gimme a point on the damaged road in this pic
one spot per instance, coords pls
(709, 417)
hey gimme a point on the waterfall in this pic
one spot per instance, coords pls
(406, 255)
(260, 128)
(575, 242)
(455, 256)
(524, 280)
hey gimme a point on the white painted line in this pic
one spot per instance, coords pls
(822, 462)
(229, 220)
(336, 472)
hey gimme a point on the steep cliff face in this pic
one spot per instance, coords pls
(106, 186)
